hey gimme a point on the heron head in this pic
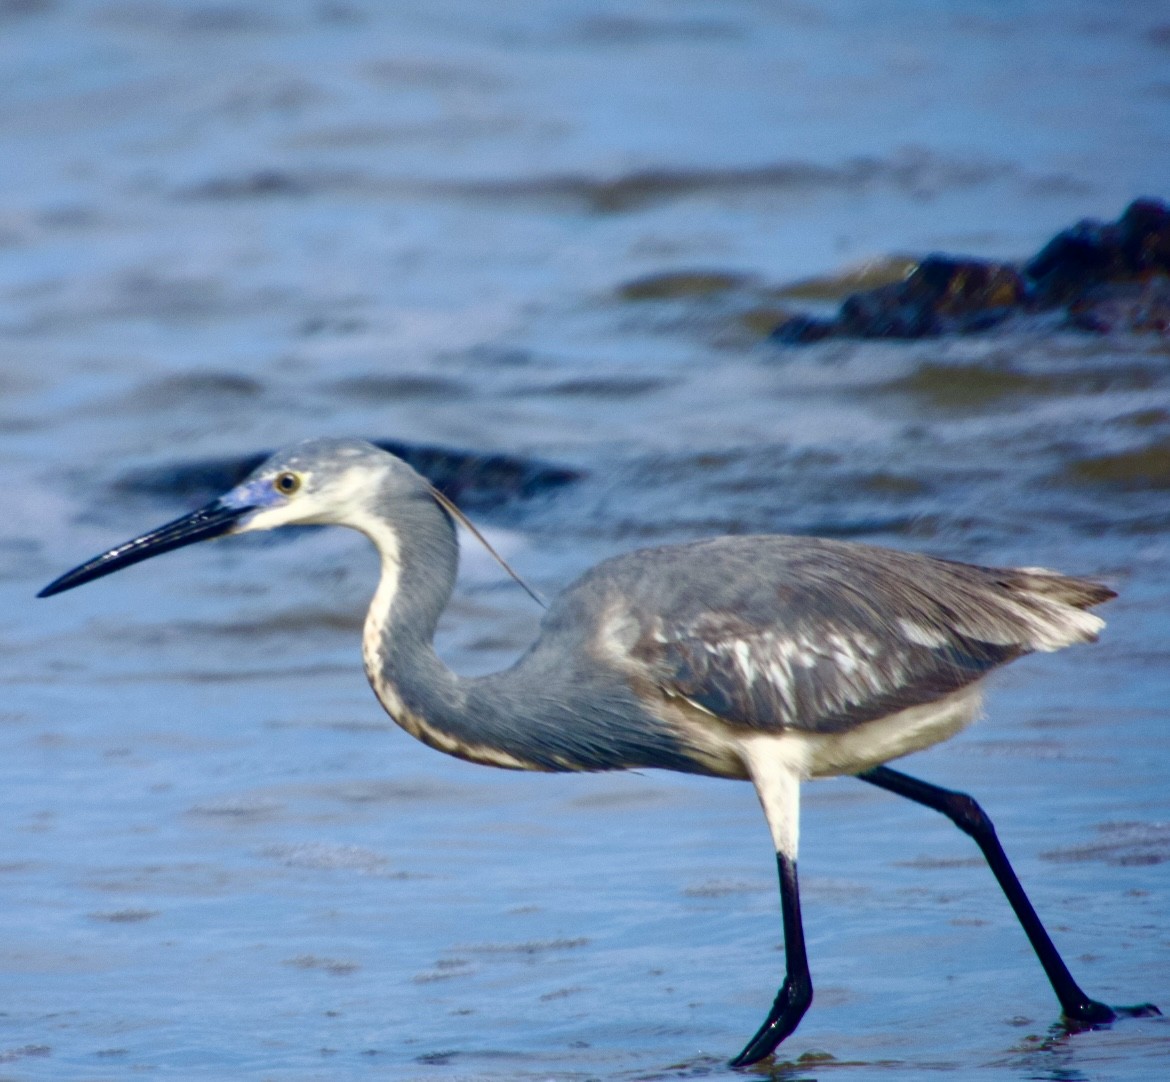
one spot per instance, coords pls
(319, 482)
(323, 482)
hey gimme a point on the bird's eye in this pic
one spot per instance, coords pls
(286, 483)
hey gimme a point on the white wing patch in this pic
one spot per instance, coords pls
(932, 638)
(771, 634)
(827, 673)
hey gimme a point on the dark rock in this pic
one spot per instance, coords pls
(471, 480)
(1093, 253)
(1081, 256)
(1137, 307)
(941, 295)
(1108, 277)
(884, 313)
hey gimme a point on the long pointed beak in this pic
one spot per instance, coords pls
(213, 520)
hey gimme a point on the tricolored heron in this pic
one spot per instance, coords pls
(769, 659)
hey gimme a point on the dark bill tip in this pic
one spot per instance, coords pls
(213, 520)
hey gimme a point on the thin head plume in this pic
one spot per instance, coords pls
(460, 517)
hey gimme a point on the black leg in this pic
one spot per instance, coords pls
(796, 992)
(970, 818)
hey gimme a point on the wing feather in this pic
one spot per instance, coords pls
(771, 633)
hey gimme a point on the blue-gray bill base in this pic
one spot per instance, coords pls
(768, 659)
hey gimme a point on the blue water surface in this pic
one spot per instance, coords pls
(227, 226)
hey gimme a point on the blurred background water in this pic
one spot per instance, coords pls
(227, 226)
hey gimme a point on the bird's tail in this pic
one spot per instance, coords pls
(1056, 605)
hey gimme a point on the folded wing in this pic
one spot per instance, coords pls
(821, 636)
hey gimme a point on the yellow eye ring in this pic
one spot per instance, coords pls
(286, 483)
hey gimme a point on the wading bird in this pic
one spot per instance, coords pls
(769, 659)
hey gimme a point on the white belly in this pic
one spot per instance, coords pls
(735, 752)
(828, 754)
(777, 763)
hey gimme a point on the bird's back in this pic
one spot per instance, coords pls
(771, 633)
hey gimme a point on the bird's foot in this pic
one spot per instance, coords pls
(1140, 1010)
(791, 1002)
(1089, 1014)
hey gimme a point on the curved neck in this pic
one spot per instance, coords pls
(420, 557)
(544, 713)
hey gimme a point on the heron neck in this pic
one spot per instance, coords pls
(543, 713)
(419, 555)
(419, 563)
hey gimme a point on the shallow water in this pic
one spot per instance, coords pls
(224, 227)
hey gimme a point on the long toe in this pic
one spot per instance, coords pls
(1142, 1010)
(787, 1011)
(764, 1043)
(1089, 1014)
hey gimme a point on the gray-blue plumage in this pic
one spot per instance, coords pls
(767, 633)
(773, 659)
